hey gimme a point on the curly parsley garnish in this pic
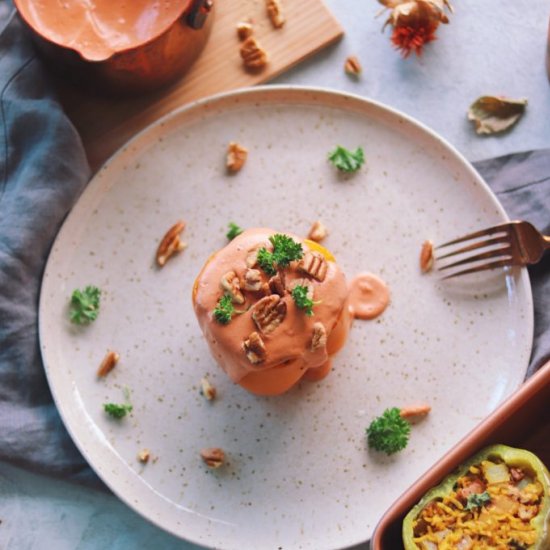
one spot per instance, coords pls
(234, 230)
(224, 310)
(84, 306)
(300, 296)
(345, 160)
(117, 411)
(389, 432)
(477, 500)
(285, 250)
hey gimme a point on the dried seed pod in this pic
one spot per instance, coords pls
(253, 55)
(236, 156)
(275, 12)
(244, 29)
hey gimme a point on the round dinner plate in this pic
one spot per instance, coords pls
(299, 473)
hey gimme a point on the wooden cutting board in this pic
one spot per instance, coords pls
(106, 124)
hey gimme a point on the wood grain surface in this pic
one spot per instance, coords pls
(105, 124)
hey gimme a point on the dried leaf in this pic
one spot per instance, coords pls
(492, 114)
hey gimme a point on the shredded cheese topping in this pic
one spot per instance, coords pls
(490, 507)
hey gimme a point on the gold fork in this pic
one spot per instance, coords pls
(521, 244)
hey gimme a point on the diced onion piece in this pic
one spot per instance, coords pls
(495, 473)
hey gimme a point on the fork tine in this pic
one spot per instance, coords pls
(475, 246)
(496, 253)
(503, 227)
(483, 267)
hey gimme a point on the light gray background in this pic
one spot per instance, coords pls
(490, 47)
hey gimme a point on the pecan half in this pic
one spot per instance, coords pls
(319, 338)
(244, 29)
(108, 363)
(426, 256)
(317, 232)
(254, 348)
(253, 55)
(207, 389)
(231, 284)
(277, 284)
(314, 264)
(302, 282)
(268, 313)
(213, 457)
(252, 280)
(352, 66)
(236, 156)
(275, 13)
(170, 243)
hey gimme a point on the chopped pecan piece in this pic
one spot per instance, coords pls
(268, 313)
(108, 363)
(314, 264)
(244, 29)
(275, 13)
(213, 457)
(144, 456)
(252, 280)
(254, 348)
(253, 55)
(319, 338)
(170, 243)
(352, 66)
(317, 232)
(231, 284)
(415, 411)
(252, 257)
(303, 282)
(236, 156)
(277, 284)
(517, 474)
(207, 389)
(427, 256)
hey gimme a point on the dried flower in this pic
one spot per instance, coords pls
(414, 22)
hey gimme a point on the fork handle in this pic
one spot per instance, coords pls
(546, 242)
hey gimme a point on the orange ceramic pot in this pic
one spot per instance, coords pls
(119, 46)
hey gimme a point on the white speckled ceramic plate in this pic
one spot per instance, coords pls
(299, 472)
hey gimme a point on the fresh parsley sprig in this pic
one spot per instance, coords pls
(302, 300)
(84, 307)
(346, 160)
(224, 310)
(117, 411)
(477, 500)
(234, 231)
(285, 250)
(389, 432)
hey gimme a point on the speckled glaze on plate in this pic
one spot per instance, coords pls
(299, 473)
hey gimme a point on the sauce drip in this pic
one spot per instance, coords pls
(368, 297)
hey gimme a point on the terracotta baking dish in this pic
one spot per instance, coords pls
(523, 421)
(119, 46)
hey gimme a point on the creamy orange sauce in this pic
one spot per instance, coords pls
(369, 296)
(289, 355)
(99, 28)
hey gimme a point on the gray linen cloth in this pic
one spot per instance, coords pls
(43, 170)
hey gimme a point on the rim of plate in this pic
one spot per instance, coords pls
(274, 90)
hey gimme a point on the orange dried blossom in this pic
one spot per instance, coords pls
(414, 22)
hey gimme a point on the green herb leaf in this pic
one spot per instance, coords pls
(300, 296)
(234, 230)
(389, 432)
(285, 250)
(117, 411)
(477, 500)
(84, 307)
(345, 160)
(224, 310)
